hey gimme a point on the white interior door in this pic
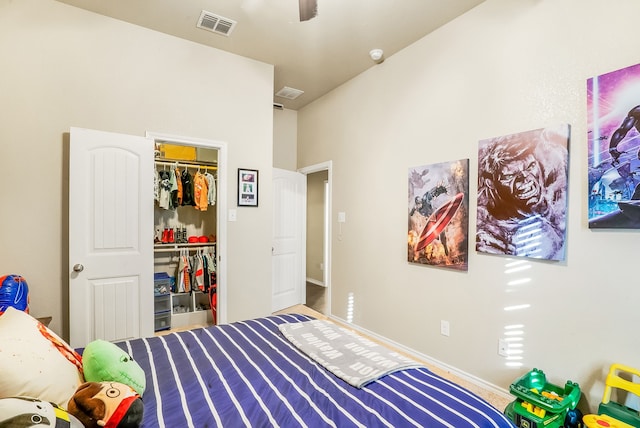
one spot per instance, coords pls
(110, 236)
(289, 235)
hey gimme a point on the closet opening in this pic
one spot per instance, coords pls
(187, 238)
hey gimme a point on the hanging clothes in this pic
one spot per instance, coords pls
(211, 260)
(156, 185)
(187, 188)
(200, 191)
(165, 186)
(173, 189)
(197, 272)
(179, 184)
(183, 275)
(206, 274)
(180, 275)
(211, 195)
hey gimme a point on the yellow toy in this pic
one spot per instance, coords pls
(603, 421)
(611, 413)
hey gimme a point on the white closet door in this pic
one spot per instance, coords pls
(110, 236)
(288, 252)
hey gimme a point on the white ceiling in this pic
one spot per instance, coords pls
(314, 56)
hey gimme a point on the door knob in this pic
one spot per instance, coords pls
(78, 267)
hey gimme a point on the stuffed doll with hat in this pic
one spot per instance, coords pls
(107, 404)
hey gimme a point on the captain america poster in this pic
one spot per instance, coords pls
(438, 215)
(613, 138)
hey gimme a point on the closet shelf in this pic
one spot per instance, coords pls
(169, 248)
(186, 293)
(186, 163)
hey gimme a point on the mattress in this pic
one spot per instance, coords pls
(247, 374)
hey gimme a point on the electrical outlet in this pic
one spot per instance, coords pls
(444, 328)
(503, 348)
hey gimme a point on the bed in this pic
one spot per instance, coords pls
(248, 374)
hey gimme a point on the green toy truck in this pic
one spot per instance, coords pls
(540, 404)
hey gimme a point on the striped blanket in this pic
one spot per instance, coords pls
(247, 374)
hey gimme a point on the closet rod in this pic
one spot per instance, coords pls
(191, 164)
(173, 248)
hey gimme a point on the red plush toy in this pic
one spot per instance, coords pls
(106, 404)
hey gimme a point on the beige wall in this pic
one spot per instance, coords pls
(285, 129)
(504, 67)
(64, 67)
(315, 225)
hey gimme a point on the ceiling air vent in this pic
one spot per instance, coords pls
(289, 93)
(216, 23)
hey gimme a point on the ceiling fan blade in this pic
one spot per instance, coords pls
(308, 9)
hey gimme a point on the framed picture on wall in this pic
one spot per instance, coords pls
(439, 214)
(613, 106)
(522, 193)
(247, 187)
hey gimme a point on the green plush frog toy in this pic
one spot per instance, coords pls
(105, 361)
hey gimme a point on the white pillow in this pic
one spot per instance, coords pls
(34, 361)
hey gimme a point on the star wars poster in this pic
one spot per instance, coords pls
(613, 122)
(522, 194)
(439, 214)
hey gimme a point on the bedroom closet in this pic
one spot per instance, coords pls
(116, 234)
(185, 236)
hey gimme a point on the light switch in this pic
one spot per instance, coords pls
(342, 217)
(444, 328)
(233, 215)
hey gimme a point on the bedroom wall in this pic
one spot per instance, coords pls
(504, 67)
(285, 130)
(63, 67)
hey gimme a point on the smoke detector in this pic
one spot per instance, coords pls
(216, 23)
(377, 55)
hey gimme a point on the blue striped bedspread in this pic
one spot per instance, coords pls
(247, 374)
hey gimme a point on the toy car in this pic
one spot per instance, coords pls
(540, 404)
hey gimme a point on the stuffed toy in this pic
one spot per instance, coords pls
(107, 404)
(36, 362)
(14, 292)
(23, 412)
(105, 361)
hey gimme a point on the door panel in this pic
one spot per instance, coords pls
(110, 236)
(115, 307)
(289, 220)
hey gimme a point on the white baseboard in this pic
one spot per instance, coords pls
(481, 383)
(316, 282)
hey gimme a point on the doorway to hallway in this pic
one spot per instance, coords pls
(318, 242)
(316, 297)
